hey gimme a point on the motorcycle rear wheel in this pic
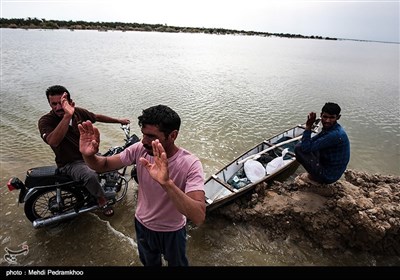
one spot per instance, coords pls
(42, 204)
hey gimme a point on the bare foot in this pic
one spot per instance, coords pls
(307, 178)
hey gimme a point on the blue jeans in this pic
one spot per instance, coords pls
(310, 162)
(153, 244)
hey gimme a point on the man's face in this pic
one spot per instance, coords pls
(328, 120)
(151, 133)
(55, 104)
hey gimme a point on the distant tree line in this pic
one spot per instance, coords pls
(35, 23)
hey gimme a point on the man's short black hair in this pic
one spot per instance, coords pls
(57, 90)
(166, 119)
(331, 108)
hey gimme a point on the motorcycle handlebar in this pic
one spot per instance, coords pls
(127, 130)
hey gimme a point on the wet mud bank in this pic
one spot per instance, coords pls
(359, 212)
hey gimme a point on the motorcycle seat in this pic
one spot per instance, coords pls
(43, 171)
(47, 175)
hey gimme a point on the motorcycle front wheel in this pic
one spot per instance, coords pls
(44, 204)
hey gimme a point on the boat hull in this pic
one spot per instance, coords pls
(231, 182)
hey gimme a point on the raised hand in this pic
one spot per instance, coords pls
(68, 107)
(159, 169)
(311, 120)
(89, 139)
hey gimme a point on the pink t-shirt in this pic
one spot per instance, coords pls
(155, 209)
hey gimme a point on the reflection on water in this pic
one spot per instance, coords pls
(231, 92)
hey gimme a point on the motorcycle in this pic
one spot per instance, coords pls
(50, 197)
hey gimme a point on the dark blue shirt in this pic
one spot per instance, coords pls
(333, 147)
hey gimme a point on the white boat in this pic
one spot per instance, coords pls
(263, 162)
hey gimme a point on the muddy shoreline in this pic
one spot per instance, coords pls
(360, 212)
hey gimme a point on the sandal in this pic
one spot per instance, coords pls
(108, 211)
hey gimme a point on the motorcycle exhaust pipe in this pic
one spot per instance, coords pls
(67, 215)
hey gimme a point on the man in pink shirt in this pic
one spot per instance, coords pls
(171, 184)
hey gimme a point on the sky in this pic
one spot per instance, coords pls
(364, 20)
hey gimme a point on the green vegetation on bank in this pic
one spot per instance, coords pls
(34, 23)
